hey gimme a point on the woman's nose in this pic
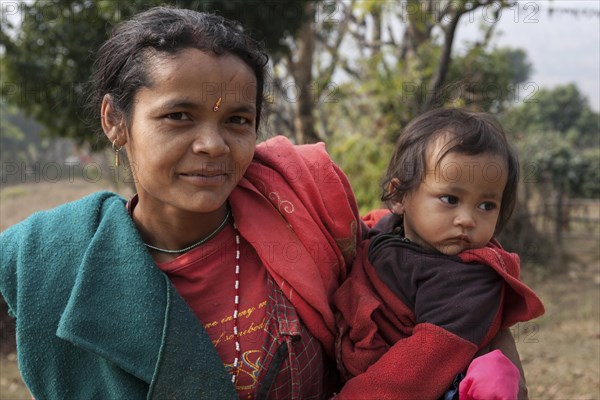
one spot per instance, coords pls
(209, 140)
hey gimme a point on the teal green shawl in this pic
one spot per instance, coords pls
(92, 308)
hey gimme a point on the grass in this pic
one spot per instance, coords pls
(12, 192)
(561, 357)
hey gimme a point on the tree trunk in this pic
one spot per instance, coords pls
(439, 77)
(560, 218)
(301, 67)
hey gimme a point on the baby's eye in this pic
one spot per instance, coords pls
(177, 116)
(449, 199)
(487, 206)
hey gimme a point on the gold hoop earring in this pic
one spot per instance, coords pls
(117, 159)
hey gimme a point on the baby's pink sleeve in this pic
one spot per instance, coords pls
(490, 377)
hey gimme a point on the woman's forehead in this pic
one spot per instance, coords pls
(199, 76)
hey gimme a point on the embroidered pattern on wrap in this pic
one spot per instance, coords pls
(282, 205)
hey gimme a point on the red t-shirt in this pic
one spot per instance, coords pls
(205, 278)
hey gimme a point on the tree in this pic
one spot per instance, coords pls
(47, 64)
(487, 80)
(558, 132)
(47, 59)
(557, 135)
(303, 74)
(408, 44)
(561, 109)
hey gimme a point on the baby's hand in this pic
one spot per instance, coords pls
(490, 377)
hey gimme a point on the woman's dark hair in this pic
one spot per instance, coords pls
(470, 133)
(121, 67)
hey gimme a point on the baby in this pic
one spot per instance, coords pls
(432, 286)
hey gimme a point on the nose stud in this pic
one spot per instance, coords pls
(217, 105)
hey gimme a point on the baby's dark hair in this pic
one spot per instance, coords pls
(471, 134)
(123, 62)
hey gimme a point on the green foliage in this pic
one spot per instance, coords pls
(48, 60)
(589, 177)
(8, 129)
(361, 143)
(268, 21)
(46, 65)
(364, 161)
(558, 137)
(393, 95)
(19, 140)
(552, 158)
(487, 80)
(562, 109)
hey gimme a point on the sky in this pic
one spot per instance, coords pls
(563, 47)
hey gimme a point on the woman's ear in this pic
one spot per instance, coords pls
(396, 203)
(112, 122)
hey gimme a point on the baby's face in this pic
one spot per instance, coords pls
(457, 205)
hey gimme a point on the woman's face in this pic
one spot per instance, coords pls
(192, 131)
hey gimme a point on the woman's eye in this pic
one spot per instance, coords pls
(178, 116)
(449, 199)
(239, 120)
(487, 206)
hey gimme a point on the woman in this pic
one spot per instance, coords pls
(250, 240)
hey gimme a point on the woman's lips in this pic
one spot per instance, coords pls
(204, 177)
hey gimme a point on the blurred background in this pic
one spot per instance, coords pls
(351, 74)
